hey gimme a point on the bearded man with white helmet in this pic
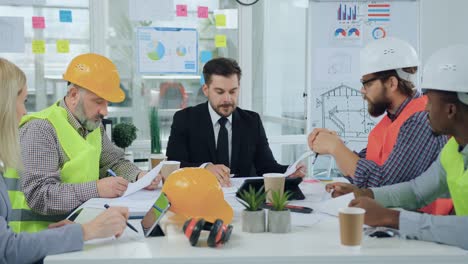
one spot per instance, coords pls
(445, 82)
(388, 69)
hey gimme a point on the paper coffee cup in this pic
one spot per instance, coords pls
(155, 159)
(273, 182)
(169, 167)
(351, 222)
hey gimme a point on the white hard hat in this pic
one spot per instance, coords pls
(447, 70)
(388, 54)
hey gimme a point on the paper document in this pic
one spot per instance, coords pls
(138, 203)
(332, 205)
(143, 182)
(88, 214)
(298, 219)
(292, 168)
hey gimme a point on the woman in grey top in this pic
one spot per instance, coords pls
(61, 237)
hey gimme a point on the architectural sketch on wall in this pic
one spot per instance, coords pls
(339, 64)
(344, 111)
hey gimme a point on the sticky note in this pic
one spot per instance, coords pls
(220, 41)
(220, 20)
(38, 22)
(206, 55)
(202, 79)
(65, 16)
(202, 12)
(181, 10)
(38, 46)
(63, 46)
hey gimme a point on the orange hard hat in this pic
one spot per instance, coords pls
(196, 193)
(97, 74)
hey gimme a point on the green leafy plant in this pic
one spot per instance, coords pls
(252, 200)
(154, 131)
(124, 134)
(279, 200)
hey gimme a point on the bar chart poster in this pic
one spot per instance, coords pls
(378, 12)
(347, 12)
(167, 50)
(337, 32)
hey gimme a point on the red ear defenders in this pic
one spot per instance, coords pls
(219, 233)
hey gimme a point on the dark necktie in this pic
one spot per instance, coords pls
(222, 146)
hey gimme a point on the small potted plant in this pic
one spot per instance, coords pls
(279, 217)
(253, 217)
(123, 135)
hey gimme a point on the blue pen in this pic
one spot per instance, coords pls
(316, 155)
(128, 224)
(111, 172)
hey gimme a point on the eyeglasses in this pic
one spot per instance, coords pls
(367, 83)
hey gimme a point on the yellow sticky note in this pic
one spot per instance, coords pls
(220, 20)
(38, 46)
(63, 46)
(220, 41)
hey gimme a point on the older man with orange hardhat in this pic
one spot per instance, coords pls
(66, 152)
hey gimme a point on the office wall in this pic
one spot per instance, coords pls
(443, 23)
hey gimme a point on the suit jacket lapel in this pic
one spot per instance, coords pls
(236, 140)
(209, 135)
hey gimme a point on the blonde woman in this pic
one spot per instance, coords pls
(61, 237)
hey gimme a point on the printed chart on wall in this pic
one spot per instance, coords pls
(337, 33)
(167, 50)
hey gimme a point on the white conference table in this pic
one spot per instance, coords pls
(318, 243)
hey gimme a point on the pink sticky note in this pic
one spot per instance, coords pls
(182, 10)
(203, 12)
(38, 22)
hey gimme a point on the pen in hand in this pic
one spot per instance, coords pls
(111, 172)
(315, 158)
(128, 224)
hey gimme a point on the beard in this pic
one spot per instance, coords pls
(379, 106)
(87, 123)
(219, 109)
(377, 109)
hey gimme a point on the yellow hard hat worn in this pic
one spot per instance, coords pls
(196, 193)
(97, 74)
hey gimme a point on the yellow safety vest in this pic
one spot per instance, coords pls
(83, 166)
(457, 177)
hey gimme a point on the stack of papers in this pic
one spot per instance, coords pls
(332, 205)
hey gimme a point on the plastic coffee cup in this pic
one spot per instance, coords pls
(156, 159)
(273, 182)
(169, 167)
(351, 222)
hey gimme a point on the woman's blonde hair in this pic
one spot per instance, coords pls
(12, 83)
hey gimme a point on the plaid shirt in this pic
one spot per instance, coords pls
(43, 158)
(414, 151)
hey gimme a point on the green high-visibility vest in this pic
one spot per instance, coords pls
(82, 166)
(457, 177)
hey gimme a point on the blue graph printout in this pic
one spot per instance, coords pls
(167, 50)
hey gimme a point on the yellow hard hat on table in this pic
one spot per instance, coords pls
(196, 193)
(97, 74)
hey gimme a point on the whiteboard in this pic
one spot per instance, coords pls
(337, 30)
(167, 50)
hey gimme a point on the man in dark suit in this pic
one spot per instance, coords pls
(219, 135)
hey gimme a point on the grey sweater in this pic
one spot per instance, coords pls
(422, 190)
(28, 248)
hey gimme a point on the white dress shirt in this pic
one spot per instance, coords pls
(214, 119)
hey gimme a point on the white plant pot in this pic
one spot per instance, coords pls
(279, 221)
(253, 221)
